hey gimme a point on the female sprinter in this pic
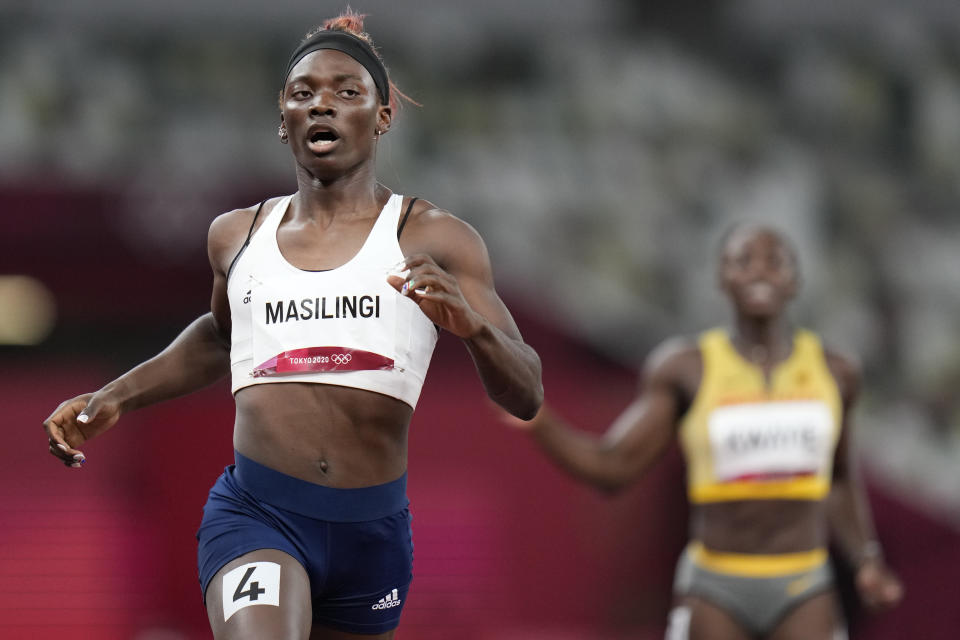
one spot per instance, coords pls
(325, 309)
(763, 416)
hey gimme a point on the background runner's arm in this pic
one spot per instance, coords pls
(851, 524)
(848, 509)
(634, 441)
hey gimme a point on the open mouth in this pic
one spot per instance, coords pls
(323, 136)
(323, 139)
(760, 291)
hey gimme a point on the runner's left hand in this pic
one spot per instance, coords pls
(437, 293)
(877, 585)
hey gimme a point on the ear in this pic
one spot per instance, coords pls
(384, 118)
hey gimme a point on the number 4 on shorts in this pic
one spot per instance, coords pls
(250, 584)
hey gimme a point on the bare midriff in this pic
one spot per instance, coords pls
(760, 526)
(335, 436)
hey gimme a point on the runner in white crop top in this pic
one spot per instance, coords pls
(328, 351)
(345, 326)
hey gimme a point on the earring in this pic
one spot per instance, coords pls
(282, 132)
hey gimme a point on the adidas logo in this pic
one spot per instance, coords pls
(388, 601)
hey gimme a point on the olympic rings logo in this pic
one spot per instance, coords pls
(341, 358)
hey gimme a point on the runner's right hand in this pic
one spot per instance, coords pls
(77, 420)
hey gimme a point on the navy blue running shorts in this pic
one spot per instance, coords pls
(355, 544)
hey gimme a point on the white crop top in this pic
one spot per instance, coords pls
(346, 326)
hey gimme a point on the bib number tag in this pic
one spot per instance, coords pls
(250, 584)
(770, 440)
(354, 331)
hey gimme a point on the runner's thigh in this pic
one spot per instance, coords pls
(818, 618)
(696, 619)
(261, 594)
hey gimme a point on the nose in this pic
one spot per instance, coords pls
(757, 268)
(322, 105)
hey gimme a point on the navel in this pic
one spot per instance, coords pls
(322, 464)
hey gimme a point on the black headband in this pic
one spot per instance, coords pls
(353, 47)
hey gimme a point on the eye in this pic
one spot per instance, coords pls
(349, 93)
(300, 94)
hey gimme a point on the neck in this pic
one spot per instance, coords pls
(356, 191)
(762, 340)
